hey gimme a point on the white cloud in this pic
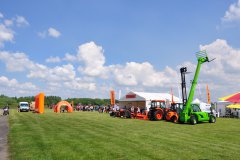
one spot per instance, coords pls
(93, 58)
(53, 32)
(233, 13)
(16, 62)
(13, 87)
(227, 58)
(21, 21)
(42, 34)
(53, 60)
(143, 74)
(69, 57)
(222, 74)
(58, 73)
(1, 15)
(8, 22)
(6, 35)
(4, 81)
(78, 84)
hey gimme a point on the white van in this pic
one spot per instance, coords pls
(23, 106)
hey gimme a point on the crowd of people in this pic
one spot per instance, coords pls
(91, 108)
(132, 109)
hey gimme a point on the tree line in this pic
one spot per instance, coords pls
(12, 102)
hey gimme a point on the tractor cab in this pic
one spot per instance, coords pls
(158, 110)
(175, 110)
(158, 104)
(176, 107)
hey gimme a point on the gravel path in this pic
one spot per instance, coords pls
(3, 137)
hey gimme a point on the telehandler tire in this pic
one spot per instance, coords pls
(193, 120)
(212, 119)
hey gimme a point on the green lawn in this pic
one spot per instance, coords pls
(90, 135)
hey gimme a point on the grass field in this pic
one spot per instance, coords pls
(90, 135)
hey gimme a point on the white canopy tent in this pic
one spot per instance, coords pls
(143, 99)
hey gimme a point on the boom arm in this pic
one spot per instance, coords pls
(202, 58)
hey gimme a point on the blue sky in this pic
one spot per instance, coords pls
(122, 45)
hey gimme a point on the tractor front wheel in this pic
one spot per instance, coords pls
(150, 116)
(174, 119)
(193, 120)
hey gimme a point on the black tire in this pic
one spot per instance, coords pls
(111, 114)
(122, 113)
(150, 116)
(212, 119)
(193, 120)
(158, 115)
(174, 119)
(127, 114)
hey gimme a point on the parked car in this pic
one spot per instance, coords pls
(23, 106)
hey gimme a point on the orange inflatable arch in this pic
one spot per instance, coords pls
(63, 103)
(39, 103)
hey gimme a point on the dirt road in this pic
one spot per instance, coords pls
(3, 137)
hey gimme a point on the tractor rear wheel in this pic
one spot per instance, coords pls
(212, 119)
(158, 115)
(193, 120)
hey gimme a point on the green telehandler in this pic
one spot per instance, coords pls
(192, 113)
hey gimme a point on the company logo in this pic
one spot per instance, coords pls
(131, 96)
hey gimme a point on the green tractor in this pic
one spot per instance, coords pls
(192, 113)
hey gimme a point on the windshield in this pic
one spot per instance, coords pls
(158, 104)
(24, 105)
(195, 108)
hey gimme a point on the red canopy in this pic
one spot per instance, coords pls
(234, 98)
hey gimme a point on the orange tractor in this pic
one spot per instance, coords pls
(176, 108)
(158, 110)
(173, 113)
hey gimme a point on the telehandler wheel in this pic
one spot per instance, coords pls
(212, 119)
(158, 115)
(174, 119)
(193, 120)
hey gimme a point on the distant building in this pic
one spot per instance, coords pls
(222, 111)
(143, 99)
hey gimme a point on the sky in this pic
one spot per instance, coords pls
(85, 48)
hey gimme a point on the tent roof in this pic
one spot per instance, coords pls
(234, 106)
(235, 98)
(143, 96)
(196, 101)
